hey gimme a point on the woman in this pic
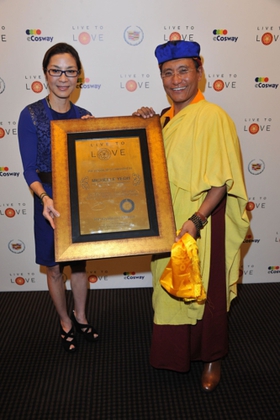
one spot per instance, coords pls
(61, 66)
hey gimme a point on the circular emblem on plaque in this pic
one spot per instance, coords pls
(104, 154)
(254, 128)
(267, 38)
(218, 85)
(127, 205)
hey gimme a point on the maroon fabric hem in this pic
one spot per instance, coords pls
(175, 346)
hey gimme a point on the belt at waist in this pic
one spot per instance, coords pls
(45, 177)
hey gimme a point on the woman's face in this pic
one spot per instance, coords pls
(61, 86)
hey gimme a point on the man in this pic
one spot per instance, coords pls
(209, 200)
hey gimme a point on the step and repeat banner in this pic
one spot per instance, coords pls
(240, 47)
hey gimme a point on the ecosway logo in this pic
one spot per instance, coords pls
(221, 35)
(34, 35)
(273, 269)
(4, 172)
(262, 82)
(132, 276)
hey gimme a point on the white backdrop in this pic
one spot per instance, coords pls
(116, 41)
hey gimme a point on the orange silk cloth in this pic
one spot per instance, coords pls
(181, 277)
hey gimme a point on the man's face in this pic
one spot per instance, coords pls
(180, 80)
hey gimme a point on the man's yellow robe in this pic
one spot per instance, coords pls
(202, 151)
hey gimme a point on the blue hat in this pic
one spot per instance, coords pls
(172, 50)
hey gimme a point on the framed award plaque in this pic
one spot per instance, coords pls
(110, 186)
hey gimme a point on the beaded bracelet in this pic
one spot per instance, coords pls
(197, 222)
(202, 218)
(44, 194)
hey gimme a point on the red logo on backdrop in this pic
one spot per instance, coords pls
(218, 85)
(2, 133)
(92, 278)
(267, 38)
(175, 36)
(37, 87)
(9, 212)
(131, 85)
(254, 128)
(250, 206)
(84, 38)
(20, 281)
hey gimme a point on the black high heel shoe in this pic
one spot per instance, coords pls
(86, 330)
(68, 343)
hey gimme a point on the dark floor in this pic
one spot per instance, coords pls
(112, 379)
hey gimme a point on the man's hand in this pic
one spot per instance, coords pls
(144, 112)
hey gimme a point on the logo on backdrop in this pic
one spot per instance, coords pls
(16, 246)
(11, 210)
(257, 125)
(221, 35)
(178, 33)
(2, 85)
(267, 35)
(87, 34)
(85, 83)
(264, 83)
(246, 271)
(21, 279)
(249, 239)
(5, 173)
(273, 269)
(94, 277)
(256, 166)
(3, 36)
(256, 203)
(133, 35)
(132, 82)
(35, 35)
(35, 83)
(10, 129)
(277, 237)
(132, 276)
(222, 81)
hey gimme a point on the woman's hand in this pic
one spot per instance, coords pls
(49, 211)
(87, 117)
(144, 112)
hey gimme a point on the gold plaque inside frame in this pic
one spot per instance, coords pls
(110, 186)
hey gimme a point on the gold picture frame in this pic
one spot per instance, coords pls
(111, 188)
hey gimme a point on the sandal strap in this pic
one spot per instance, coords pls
(69, 334)
(87, 330)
